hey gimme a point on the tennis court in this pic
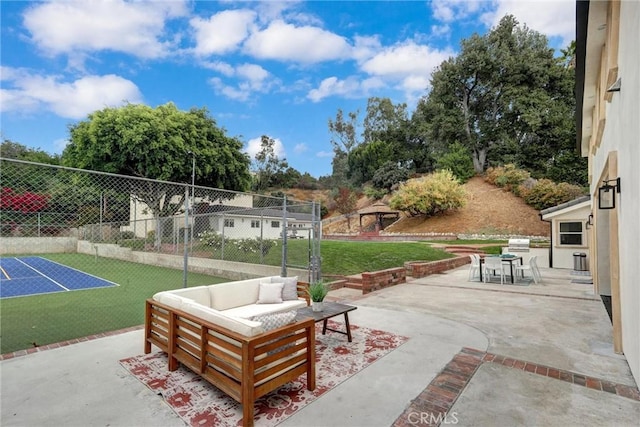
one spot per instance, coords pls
(35, 275)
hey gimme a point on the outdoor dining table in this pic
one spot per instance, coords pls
(510, 259)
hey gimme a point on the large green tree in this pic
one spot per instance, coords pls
(505, 97)
(387, 136)
(159, 143)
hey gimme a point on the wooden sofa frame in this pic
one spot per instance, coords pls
(244, 368)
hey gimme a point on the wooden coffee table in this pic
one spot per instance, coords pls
(330, 309)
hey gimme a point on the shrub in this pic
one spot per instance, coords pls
(388, 175)
(126, 235)
(430, 195)
(374, 193)
(212, 239)
(508, 177)
(546, 193)
(253, 246)
(458, 160)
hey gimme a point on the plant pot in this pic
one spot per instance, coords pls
(316, 305)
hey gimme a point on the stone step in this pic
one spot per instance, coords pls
(354, 282)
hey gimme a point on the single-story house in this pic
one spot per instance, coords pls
(569, 231)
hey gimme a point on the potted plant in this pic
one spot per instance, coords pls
(317, 291)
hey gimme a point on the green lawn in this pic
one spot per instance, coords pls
(51, 318)
(344, 257)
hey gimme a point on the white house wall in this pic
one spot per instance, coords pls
(563, 254)
(242, 227)
(622, 134)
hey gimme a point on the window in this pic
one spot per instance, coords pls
(229, 222)
(255, 223)
(275, 224)
(571, 233)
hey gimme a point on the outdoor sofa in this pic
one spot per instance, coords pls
(235, 335)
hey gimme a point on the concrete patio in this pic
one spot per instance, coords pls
(555, 326)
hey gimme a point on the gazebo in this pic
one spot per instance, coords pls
(380, 210)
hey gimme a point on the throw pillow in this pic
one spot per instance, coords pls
(270, 293)
(290, 289)
(275, 320)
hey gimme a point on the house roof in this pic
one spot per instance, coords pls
(575, 204)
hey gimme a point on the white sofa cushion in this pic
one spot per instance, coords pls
(248, 311)
(242, 326)
(270, 293)
(234, 294)
(170, 299)
(199, 294)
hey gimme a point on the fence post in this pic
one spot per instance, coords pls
(186, 236)
(283, 268)
(222, 244)
(261, 236)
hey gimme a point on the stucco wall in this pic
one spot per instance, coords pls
(227, 269)
(563, 254)
(622, 134)
(37, 245)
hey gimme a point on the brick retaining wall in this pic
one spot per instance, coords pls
(372, 281)
(417, 269)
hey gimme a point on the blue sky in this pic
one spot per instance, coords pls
(261, 68)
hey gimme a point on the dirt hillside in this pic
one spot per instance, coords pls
(489, 210)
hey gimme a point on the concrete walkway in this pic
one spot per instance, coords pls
(555, 327)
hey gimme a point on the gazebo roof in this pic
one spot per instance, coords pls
(377, 208)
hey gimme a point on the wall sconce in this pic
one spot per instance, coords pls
(606, 195)
(589, 222)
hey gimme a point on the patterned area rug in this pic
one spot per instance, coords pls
(201, 404)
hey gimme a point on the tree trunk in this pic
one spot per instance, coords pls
(479, 159)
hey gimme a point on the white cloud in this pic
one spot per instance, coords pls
(78, 27)
(255, 74)
(452, 10)
(239, 93)
(30, 92)
(333, 86)
(404, 60)
(223, 32)
(252, 79)
(254, 146)
(365, 47)
(305, 44)
(300, 148)
(221, 67)
(440, 30)
(324, 154)
(554, 18)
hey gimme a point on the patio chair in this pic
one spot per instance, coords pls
(493, 264)
(531, 267)
(474, 268)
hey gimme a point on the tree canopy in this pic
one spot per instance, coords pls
(159, 143)
(505, 97)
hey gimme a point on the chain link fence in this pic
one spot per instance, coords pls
(75, 227)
